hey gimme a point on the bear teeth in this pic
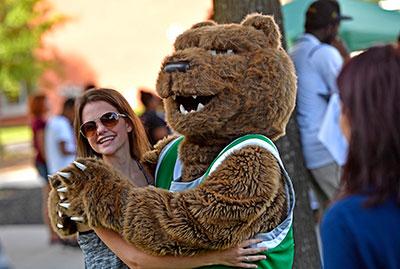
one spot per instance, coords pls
(200, 107)
(183, 111)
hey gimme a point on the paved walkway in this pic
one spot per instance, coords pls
(21, 176)
(23, 237)
(26, 246)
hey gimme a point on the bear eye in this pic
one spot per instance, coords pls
(214, 52)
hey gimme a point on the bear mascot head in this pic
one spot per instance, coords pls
(223, 81)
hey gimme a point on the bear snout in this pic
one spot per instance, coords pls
(179, 66)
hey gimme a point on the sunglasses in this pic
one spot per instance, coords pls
(109, 120)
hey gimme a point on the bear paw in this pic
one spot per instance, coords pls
(87, 192)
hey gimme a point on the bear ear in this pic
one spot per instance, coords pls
(203, 24)
(266, 24)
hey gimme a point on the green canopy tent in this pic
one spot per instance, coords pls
(370, 25)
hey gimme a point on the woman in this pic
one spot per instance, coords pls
(360, 230)
(107, 127)
(38, 112)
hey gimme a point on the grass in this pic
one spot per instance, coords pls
(15, 134)
(9, 155)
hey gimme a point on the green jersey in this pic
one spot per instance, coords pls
(279, 241)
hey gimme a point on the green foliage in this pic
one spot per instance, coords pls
(22, 24)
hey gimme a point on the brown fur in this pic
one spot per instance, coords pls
(253, 92)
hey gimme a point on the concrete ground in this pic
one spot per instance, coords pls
(27, 247)
(23, 236)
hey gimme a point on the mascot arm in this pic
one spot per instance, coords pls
(230, 206)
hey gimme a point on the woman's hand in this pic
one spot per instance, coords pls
(240, 256)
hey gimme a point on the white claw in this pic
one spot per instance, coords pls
(59, 214)
(62, 189)
(65, 205)
(50, 177)
(64, 174)
(60, 226)
(77, 219)
(62, 197)
(80, 165)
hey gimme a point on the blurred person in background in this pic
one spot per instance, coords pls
(89, 86)
(155, 125)
(60, 147)
(106, 127)
(398, 40)
(38, 108)
(317, 64)
(361, 229)
(38, 112)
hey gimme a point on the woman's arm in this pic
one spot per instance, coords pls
(134, 258)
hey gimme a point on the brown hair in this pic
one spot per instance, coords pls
(138, 142)
(37, 105)
(370, 92)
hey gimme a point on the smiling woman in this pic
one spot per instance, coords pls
(106, 127)
(95, 106)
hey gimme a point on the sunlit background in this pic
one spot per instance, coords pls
(123, 42)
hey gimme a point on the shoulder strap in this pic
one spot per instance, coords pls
(241, 142)
(166, 163)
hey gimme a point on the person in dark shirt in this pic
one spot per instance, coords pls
(155, 126)
(361, 229)
(38, 109)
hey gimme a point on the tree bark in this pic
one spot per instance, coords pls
(306, 248)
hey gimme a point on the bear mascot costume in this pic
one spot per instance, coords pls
(228, 92)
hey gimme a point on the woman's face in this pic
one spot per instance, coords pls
(106, 141)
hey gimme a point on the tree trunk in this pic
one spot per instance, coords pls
(306, 248)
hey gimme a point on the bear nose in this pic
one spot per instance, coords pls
(181, 66)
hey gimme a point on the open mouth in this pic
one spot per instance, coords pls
(192, 103)
(105, 139)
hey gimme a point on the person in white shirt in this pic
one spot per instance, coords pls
(317, 64)
(60, 146)
(60, 150)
